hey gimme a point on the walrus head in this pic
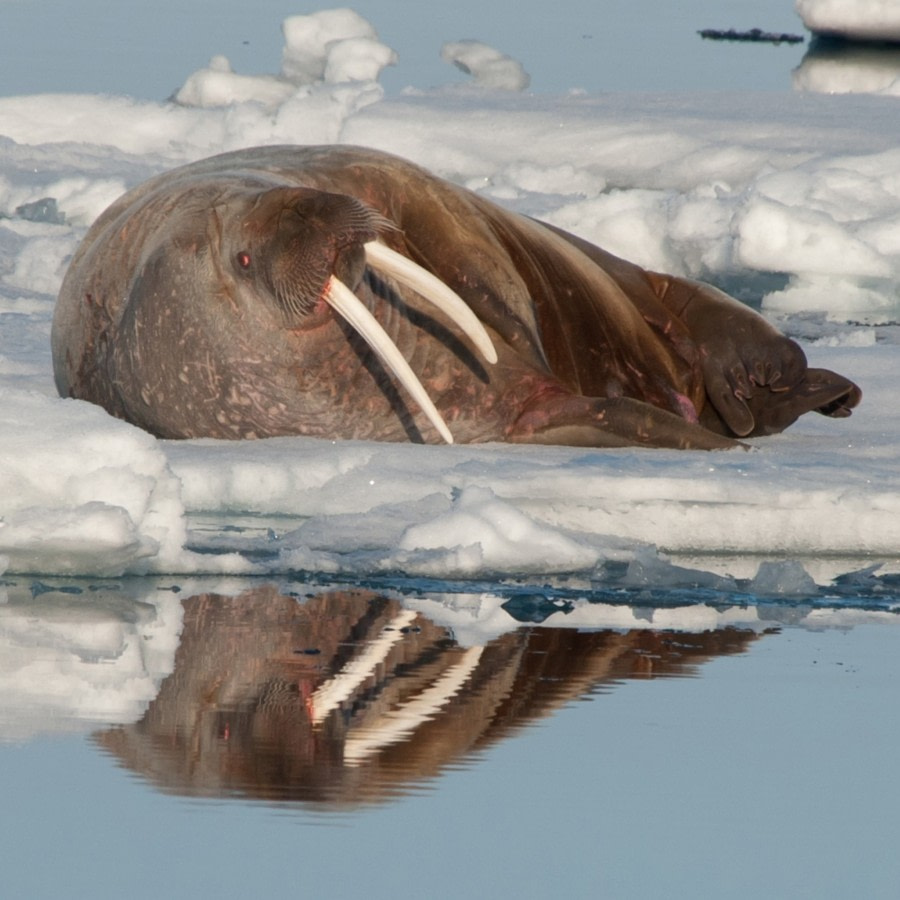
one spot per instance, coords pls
(310, 249)
(298, 239)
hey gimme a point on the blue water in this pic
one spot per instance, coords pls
(148, 51)
(723, 761)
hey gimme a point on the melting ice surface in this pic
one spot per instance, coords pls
(790, 202)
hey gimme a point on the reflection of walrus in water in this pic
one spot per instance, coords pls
(350, 697)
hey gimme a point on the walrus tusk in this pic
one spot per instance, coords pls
(345, 303)
(431, 288)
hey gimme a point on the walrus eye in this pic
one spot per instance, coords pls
(243, 259)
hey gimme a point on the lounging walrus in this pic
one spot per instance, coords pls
(342, 292)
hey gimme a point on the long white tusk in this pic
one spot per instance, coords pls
(344, 302)
(432, 289)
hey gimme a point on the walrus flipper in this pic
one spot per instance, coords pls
(846, 395)
(576, 421)
(772, 410)
(757, 380)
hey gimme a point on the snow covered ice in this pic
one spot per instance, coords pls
(789, 201)
(861, 20)
(858, 48)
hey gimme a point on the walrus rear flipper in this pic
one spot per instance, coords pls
(575, 421)
(772, 411)
(846, 394)
(757, 379)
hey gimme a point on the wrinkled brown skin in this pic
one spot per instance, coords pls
(194, 308)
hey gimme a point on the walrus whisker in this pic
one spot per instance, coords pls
(431, 288)
(291, 301)
(346, 304)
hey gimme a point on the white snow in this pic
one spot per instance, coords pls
(791, 199)
(489, 67)
(861, 20)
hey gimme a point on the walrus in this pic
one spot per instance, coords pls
(343, 292)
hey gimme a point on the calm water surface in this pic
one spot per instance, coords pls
(333, 741)
(148, 51)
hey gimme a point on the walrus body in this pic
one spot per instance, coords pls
(199, 305)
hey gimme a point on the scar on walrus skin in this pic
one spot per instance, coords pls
(342, 292)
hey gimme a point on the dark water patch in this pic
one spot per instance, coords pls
(750, 286)
(43, 210)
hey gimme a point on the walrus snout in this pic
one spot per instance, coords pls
(297, 239)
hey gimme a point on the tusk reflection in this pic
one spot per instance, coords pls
(398, 724)
(344, 302)
(432, 289)
(330, 695)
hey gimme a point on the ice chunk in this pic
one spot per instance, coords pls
(488, 67)
(310, 40)
(859, 20)
(782, 578)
